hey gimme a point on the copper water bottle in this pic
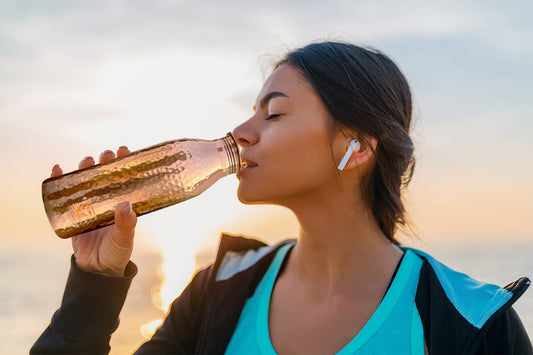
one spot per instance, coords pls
(151, 179)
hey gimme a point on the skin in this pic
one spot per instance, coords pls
(107, 250)
(340, 268)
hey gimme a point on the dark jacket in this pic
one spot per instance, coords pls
(459, 315)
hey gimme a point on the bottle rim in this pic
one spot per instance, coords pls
(234, 154)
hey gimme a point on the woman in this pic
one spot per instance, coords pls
(329, 139)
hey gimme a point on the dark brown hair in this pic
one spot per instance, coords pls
(364, 90)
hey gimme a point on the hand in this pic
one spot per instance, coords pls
(107, 250)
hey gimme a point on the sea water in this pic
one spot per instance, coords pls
(33, 275)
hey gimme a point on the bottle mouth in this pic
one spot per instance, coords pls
(234, 154)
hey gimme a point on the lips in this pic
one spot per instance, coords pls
(247, 165)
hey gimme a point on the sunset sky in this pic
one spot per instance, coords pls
(78, 77)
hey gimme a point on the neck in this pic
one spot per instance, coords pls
(340, 248)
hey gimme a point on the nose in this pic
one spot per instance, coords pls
(246, 134)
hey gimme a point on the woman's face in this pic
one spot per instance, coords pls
(286, 144)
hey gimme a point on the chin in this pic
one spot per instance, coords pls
(248, 201)
(250, 198)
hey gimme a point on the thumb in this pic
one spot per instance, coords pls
(125, 221)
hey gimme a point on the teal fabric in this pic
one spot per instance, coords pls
(476, 301)
(251, 335)
(395, 327)
(418, 345)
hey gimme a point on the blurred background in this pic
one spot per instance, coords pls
(78, 77)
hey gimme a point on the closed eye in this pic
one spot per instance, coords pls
(273, 116)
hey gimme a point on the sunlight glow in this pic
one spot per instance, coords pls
(148, 329)
(175, 272)
(177, 268)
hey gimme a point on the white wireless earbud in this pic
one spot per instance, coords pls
(353, 147)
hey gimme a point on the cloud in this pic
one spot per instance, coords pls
(82, 71)
(86, 26)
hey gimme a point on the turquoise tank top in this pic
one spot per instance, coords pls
(395, 327)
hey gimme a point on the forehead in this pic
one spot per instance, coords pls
(288, 80)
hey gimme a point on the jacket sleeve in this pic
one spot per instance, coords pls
(88, 314)
(506, 336)
(180, 331)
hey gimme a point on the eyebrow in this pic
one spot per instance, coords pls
(266, 99)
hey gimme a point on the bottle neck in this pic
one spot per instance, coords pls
(229, 153)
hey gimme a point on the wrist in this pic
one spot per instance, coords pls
(103, 271)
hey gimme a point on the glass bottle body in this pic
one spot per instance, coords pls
(151, 179)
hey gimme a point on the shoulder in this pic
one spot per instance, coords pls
(202, 318)
(239, 261)
(237, 254)
(475, 300)
(504, 335)
(455, 309)
(225, 286)
(238, 258)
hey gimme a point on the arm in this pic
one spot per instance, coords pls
(98, 282)
(88, 313)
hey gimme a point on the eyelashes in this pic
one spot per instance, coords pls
(270, 117)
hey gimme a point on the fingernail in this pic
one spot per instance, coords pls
(55, 167)
(104, 153)
(125, 208)
(122, 147)
(86, 158)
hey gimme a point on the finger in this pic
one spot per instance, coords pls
(123, 150)
(56, 171)
(106, 156)
(125, 221)
(86, 162)
(75, 245)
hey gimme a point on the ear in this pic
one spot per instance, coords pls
(363, 155)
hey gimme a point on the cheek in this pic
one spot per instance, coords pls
(303, 164)
(311, 151)
(309, 167)
(292, 162)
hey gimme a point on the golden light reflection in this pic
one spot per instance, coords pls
(177, 268)
(148, 329)
(175, 272)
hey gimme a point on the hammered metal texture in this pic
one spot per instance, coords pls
(151, 179)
